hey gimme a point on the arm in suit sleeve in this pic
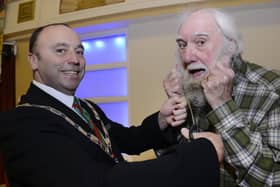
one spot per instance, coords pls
(40, 152)
(136, 139)
(193, 164)
(186, 166)
(55, 160)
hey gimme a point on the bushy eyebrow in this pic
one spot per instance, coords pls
(180, 40)
(199, 34)
(195, 35)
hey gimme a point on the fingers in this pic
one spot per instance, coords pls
(179, 114)
(173, 83)
(179, 117)
(221, 71)
(176, 120)
(180, 111)
(179, 102)
(185, 133)
(170, 120)
(173, 111)
(168, 106)
(217, 86)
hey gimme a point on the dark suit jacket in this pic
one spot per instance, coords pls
(43, 150)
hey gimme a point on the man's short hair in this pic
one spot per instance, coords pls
(34, 37)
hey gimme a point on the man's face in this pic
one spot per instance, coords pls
(58, 59)
(200, 44)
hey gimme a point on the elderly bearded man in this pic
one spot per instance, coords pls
(231, 97)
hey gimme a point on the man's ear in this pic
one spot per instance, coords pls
(33, 60)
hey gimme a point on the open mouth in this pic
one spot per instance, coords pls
(197, 72)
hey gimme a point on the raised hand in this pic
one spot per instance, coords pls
(173, 82)
(217, 86)
(173, 112)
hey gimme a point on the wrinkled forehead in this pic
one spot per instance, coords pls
(198, 23)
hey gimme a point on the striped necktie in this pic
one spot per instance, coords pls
(99, 130)
(86, 116)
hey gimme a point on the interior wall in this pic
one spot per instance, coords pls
(23, 69)
(47, 11)
(260, 28)
(151, 54)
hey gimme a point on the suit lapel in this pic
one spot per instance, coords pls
(37, 96)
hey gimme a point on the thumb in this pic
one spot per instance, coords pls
(185, 133)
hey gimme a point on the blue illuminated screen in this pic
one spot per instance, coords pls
(106, 82)
(116, 111)
(103, 83)
(105, 50)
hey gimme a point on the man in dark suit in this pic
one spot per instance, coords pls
(47, 143)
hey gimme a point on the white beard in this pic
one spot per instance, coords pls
(193, 91)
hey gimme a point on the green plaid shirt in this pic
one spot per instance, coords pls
(250, 127)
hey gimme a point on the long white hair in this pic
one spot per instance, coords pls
(225, 23)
